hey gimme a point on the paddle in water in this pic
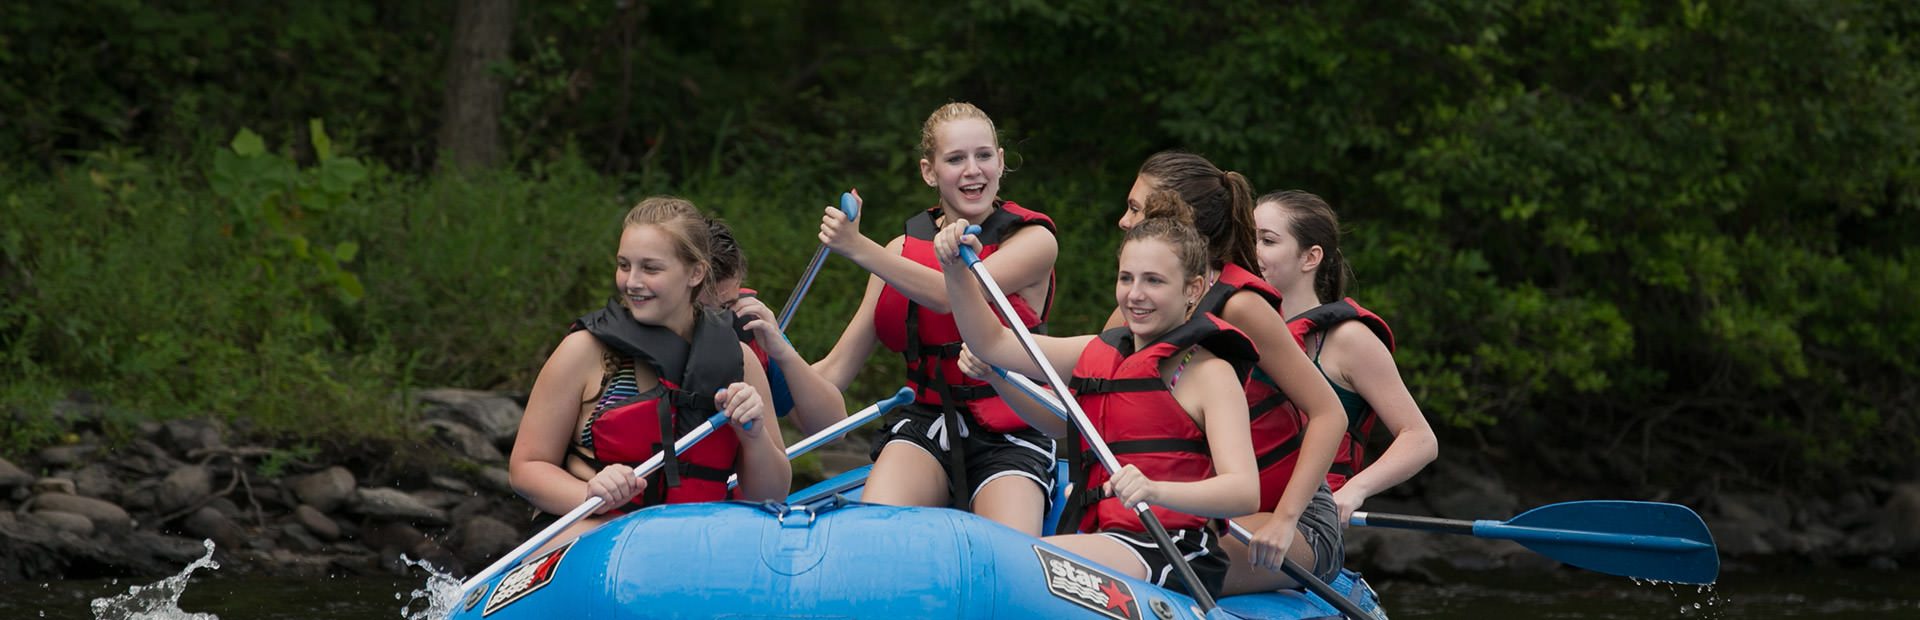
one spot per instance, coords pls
(850, 204)
(585, 508)
(1292, 569)
(1645, 540)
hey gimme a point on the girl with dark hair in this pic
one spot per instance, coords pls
(796, 388)
(1299, 250)
(1296, 424)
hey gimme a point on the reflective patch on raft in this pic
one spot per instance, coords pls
(473, 598)
(1088, 587)
(524, 580)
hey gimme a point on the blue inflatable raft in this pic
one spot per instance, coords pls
(825, 555)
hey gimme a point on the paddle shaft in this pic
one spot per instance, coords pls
(585, 508)
(1292, 569)
(1079, 418)
(904, 396)
(1487, 528)
(851, 206)
(800, 290)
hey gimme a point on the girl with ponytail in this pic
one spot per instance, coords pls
(1296, 423)
(1299, 252)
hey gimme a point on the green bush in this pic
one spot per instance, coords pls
(1676, 231)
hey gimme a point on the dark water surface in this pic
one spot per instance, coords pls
(1825, 595)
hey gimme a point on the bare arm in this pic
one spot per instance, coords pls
(1210, 387)
(537, 467)
(1282, 359)
(1020, 265)
(817, 404)
(1032, 411)
(856, 343)
(765, 474)
(1367, 365)
(981, 329)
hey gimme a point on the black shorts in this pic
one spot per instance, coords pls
(1200, 546)
(1027, 453)
(1320, 528)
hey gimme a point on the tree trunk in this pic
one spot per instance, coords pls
(470, 116)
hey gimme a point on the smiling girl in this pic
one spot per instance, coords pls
(957, 444)
(1163, 389)
(648, 367)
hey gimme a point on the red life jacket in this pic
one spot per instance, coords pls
(628, 426)
(1131, 406)
(1274, 421)
(1321, 320)
(930, 340)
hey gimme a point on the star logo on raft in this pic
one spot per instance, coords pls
(1087, 587)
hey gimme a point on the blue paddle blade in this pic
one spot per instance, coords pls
(1646, 540)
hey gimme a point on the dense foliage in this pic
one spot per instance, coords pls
(1634, 240)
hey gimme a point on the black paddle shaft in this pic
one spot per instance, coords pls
(1180, 566)
(1430, 524)
(1079, 419)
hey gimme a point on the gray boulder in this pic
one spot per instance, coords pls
(184, 487)
(98, 480)
(186, 437)
(316, 522)
(497, 417)
(468, 442)
(481, 540)
(105, 516)
(64, 521)
(211, 524)
(12, 476)
(397, 505)
(325, 490)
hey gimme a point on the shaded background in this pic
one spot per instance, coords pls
(1658, 247)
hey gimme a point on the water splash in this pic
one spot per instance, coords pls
(440, 595)
(159, 601)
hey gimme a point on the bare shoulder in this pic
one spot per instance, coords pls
(1354, 340)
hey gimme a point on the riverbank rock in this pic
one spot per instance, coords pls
(11, 476)
(395, 504)
(105, 516)
(63, 521)
(1899, 520)
(211, 524)
(184, 487)
(497, 417)
(316, 523)
(465, 440)
(326, 490)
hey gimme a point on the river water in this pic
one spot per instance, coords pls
(201, 593)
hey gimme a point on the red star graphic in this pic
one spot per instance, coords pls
(1116, 598)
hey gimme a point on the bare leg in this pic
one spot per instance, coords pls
(1014, 501)
(1243, 577)
(906, 475)
(1104, 551)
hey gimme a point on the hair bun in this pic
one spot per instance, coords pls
(1167, 204)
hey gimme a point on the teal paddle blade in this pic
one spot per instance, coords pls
(1645, 540)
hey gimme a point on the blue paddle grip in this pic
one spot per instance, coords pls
(904, 396)
(850, 205)
(966, 251)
